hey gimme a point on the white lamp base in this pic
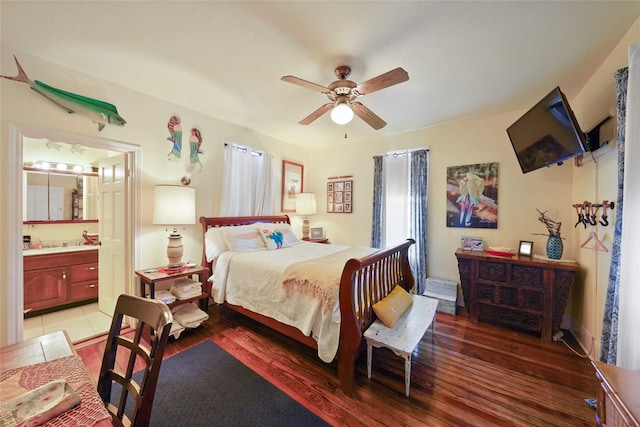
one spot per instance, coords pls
(305, 228)
(175, 251)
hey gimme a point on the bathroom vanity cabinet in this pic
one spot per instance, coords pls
(56, 279)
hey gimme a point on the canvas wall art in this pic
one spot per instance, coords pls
(472, 196)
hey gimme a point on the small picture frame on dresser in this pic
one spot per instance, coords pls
(316, 233)
(525, 249)
(477, 244)
(465, 243)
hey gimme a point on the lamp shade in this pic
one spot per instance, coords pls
(341, 114)
(174, 205)
(306, 203)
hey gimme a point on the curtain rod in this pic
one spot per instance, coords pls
(401, 152)
(243, 148)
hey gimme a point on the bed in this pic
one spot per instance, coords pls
(362, 281)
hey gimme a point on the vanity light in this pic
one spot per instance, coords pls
(78, 169)
(61, 166)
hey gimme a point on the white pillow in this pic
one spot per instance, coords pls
(273, 239)
(214, 243)
(282, 227)
(243, 238)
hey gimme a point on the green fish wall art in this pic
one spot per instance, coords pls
(99, 111)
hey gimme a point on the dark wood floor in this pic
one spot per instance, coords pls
(465, 375)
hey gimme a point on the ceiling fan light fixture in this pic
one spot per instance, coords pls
(341, 114)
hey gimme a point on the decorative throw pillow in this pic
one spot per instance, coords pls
(273, 239)
(214, 243)
(243, 238)
(390, 308)
(284, 228)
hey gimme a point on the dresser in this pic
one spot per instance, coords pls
(516, 291)
(618, 396)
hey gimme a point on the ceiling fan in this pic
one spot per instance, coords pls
(343, 94)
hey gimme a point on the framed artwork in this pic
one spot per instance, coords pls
(472, 196)
(340, 195)
(292, 176)
(526, 248)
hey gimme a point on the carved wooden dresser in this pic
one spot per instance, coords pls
(521, 292)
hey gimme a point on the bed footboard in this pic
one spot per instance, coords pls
(364, 282)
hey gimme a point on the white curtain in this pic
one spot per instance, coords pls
(628, 349)
(248, 187)
(396, 199)
(265, 195)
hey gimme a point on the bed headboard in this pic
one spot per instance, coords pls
(223, 221)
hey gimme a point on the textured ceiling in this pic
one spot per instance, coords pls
(225, 59)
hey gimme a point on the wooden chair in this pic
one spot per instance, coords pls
(150, 314)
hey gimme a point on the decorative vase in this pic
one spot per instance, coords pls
(554, 247)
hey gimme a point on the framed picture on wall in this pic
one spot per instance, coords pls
(340, 195)
(292, 184)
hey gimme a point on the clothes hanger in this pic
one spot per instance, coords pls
(599, 246)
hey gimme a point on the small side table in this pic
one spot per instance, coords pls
(405, 335)
(323, 240)
(150, 277)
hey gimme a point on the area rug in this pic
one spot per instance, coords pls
(206, 386)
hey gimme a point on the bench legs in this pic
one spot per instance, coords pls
(407, 366)
(407, 374)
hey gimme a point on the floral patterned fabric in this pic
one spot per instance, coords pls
(609, 337)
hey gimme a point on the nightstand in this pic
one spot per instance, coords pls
(323, 240)
(150, 277)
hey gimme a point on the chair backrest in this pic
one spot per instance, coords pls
(154, 320)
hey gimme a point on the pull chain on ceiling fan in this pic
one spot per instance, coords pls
(343, 94)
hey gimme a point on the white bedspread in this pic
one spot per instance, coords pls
(253, 280)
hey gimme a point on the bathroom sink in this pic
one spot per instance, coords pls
(59, 249)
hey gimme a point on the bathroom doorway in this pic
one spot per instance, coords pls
(19, 135)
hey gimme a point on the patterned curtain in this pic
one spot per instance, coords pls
(609, 338)
(376, 221)
(418, 215)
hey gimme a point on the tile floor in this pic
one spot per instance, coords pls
(80, 323)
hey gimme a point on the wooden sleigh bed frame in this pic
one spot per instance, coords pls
(364, 282)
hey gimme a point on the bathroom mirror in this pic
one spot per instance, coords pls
(57, 196)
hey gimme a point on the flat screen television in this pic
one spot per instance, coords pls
(547, 134)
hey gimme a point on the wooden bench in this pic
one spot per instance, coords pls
(405, 335)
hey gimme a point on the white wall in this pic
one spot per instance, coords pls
(597, 181)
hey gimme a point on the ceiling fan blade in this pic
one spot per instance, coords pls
(320, 111)
(385, 80)
(368, 116)
(298, 81)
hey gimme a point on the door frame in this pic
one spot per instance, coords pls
(15, 301)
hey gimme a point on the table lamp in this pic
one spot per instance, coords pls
(174, 205)
(305, 205)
